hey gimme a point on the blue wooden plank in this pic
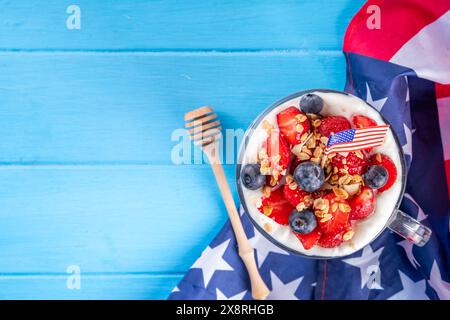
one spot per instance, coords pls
(92, 287)
(107, 218)
(171, 24)
(123, 108)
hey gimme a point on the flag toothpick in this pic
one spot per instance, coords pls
(356, 139)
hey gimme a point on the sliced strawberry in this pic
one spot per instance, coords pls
(389, 165)
(363, 204)
(277, 207)
(355, 164)
(279, 154)
(339, 210)
(360, 121)
(293, 124)
(310, 239)
(331, 240)
(333, 124)
(295, 196)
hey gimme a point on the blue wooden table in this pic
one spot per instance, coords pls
(87, 182)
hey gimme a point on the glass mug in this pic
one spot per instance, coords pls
(398, 221)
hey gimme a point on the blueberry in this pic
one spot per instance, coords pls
(251, 176)
(311, 103)
(309, 176)
(303, 222)
(376, 176)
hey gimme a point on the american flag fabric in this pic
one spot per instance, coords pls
(356, 139)
(403, 70)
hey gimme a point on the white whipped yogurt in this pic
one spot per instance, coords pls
(366, 229)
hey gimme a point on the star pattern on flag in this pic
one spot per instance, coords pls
(420, 213)
(281, 290)
(378, 104)
(407, 147)
(176, 289)
(441, 287)
(407, 90)
(411, 290)
(211, 261)
(264, 247)
(222, 296)
(408, 246)
(367, 263)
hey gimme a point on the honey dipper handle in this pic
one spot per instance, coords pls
(259, 288)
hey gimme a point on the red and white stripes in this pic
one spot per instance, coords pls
(364, 138)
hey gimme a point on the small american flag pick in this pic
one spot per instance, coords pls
(356, 139)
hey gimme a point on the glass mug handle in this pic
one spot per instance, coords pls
(409, 228)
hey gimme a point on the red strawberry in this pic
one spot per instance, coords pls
(360, 121)
(339, 210)
(318, 194)
(355, 164)
(293, 124)
(277, 207)
(296, 196)
(389, 165)
(278, 152)
(331, 240)
(362, 204)
(310, 239)
(333, 124)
